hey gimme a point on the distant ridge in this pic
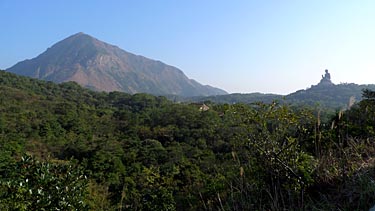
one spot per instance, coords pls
(325, 94)
(100, 66)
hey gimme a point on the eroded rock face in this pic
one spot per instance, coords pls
(104, 67)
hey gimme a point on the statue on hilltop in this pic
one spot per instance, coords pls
(326, 79)
(326, 76)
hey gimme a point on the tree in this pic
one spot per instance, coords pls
(368, 94)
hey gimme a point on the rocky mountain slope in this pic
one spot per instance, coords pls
(104, 67)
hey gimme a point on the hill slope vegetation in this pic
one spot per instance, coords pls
(141, 152)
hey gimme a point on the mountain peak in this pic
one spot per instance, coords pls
(104, 67)
(79, 38)
(80, 35)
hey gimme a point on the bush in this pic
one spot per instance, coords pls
(34, 185)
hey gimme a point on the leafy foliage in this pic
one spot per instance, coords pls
(34, 185)
(141, 152)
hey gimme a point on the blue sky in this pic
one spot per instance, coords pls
(270, 46)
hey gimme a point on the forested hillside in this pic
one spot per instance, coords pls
(70, 148)
(332, 96)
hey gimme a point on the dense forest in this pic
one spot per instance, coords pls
(63, 147)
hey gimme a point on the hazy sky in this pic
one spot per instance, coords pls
(271, 46)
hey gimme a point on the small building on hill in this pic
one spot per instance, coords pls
(204, 107)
